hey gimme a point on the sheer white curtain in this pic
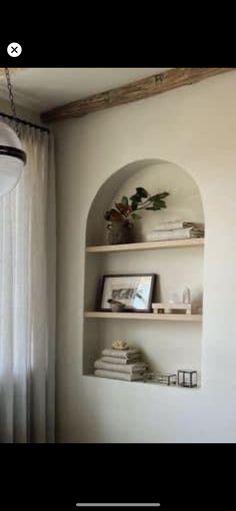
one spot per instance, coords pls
(27, 297)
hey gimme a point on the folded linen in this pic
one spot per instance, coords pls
(177, 234)
(177, 224)
(139, 367)
(118, 376)
(127, 354)
(122, 361)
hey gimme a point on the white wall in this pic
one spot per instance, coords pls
(194, 127)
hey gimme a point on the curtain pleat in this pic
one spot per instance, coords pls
(27, 297)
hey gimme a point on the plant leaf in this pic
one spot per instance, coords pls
(163, 195)
(134, 204)
(159, 196)
(115, 216)
(135, 197)
(121, 207)
(142, 193)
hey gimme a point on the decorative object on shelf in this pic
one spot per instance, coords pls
(187, 378)
(174, 305)
(176, 230)
(134, 292)
(163, 379)
(187, 296)
(174, 298)
(120, 232)
(120, 364)
(12, 157)
(122, 215)
(120, 345)
(166, 379)
(116, 306)
(169, 308)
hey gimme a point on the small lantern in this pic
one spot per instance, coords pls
(166, 379)
(187, 378)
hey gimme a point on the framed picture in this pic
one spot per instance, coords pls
(134, 292)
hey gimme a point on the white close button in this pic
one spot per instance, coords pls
(14, 49)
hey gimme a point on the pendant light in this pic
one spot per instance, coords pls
(12, 157)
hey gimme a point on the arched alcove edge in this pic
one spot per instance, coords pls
(97, 333)
(95, 226)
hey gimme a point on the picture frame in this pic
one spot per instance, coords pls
(133, 291)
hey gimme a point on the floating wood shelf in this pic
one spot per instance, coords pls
(146, 245)
(143, 315)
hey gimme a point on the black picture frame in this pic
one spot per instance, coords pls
(127, 293)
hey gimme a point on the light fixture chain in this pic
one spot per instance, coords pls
(11, 98)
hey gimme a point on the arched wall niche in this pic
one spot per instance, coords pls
(166, 346)
(154, 174)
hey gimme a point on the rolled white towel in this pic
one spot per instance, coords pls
(172, 225)
(139, 367)
(169, 225)
(118, 376)
(178, 234)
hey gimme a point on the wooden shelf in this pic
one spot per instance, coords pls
(143, 315)
(146, 245)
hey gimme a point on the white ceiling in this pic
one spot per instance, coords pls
(40, 89)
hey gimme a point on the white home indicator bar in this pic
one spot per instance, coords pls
(118, 504)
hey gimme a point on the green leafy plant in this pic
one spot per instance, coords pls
(129, 207)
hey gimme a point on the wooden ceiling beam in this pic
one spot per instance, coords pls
(144, 88)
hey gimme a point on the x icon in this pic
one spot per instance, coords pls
(14, 49)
